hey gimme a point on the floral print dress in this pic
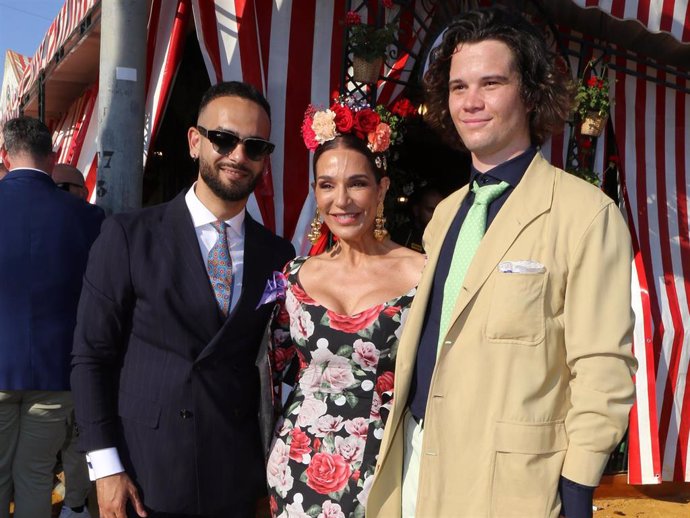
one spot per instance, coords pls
(322, 460)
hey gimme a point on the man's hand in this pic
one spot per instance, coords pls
(113, 493)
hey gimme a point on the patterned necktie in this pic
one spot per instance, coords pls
(219, 267)
(471, 233)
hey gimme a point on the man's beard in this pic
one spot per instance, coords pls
(234, 191)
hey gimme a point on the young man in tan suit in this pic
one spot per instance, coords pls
(514, 371)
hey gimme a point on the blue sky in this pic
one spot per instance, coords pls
(23, 25)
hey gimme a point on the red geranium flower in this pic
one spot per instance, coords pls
(388, 4)
(327, 473)
(352, 18)
(404, 108)
(592, 81)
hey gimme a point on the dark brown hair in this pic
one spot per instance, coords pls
(349, 141)
(27, 135)
(234, 89)
(545, 89)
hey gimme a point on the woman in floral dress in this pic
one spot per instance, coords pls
(341, 321)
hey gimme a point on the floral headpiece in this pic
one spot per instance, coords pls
(378, 127)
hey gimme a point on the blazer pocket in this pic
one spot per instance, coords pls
(516, 313)
(138, 409)
(527, 466)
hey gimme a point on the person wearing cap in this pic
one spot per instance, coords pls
(70, 179)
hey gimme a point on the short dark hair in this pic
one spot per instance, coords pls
(234, 89)
(544, 88)
(27, 135)
(350, 141)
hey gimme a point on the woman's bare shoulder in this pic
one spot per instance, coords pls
(408, 263)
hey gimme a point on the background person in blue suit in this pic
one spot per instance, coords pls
(45, 236)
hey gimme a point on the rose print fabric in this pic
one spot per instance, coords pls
(321, 464)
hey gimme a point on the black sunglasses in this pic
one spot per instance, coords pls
(224, 142)
(66, 185)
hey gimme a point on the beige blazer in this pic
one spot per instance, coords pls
(534, 379)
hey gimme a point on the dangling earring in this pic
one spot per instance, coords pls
(315, 232)
(380, 231)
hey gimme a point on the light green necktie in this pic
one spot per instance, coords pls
(469, 237)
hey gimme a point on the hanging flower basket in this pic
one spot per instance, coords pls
(593, 124)
(365, 71)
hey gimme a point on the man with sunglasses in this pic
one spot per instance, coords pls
(45, 235)
(169, 329)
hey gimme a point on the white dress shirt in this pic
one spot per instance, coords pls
(105, 462)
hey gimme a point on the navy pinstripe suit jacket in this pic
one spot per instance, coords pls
(160, 374)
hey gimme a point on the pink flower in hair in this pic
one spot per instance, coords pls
(380, 139)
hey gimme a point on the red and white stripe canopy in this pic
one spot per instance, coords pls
(671, 16)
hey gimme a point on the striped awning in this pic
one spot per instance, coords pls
(671, 16)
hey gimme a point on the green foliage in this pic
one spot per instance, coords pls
(368, 42)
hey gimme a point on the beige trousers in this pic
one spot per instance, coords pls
(32, 430)
(413, 435)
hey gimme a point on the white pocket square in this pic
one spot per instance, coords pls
(521, 267)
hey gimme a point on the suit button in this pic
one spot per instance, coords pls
(185, 414)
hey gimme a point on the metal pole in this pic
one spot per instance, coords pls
(121, 104)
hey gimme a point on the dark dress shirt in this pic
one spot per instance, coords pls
(510, 172)
(576, 498)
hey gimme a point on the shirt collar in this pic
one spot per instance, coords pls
(202, 216)
(27, 169)
(510, 171)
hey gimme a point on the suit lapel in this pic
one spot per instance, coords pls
(409, 341)
(254, 278)
(255, 255)
(531, 198)
(192, 279)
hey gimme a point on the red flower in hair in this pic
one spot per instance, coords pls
(308, 134)
(343, 117)
(366, 121)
